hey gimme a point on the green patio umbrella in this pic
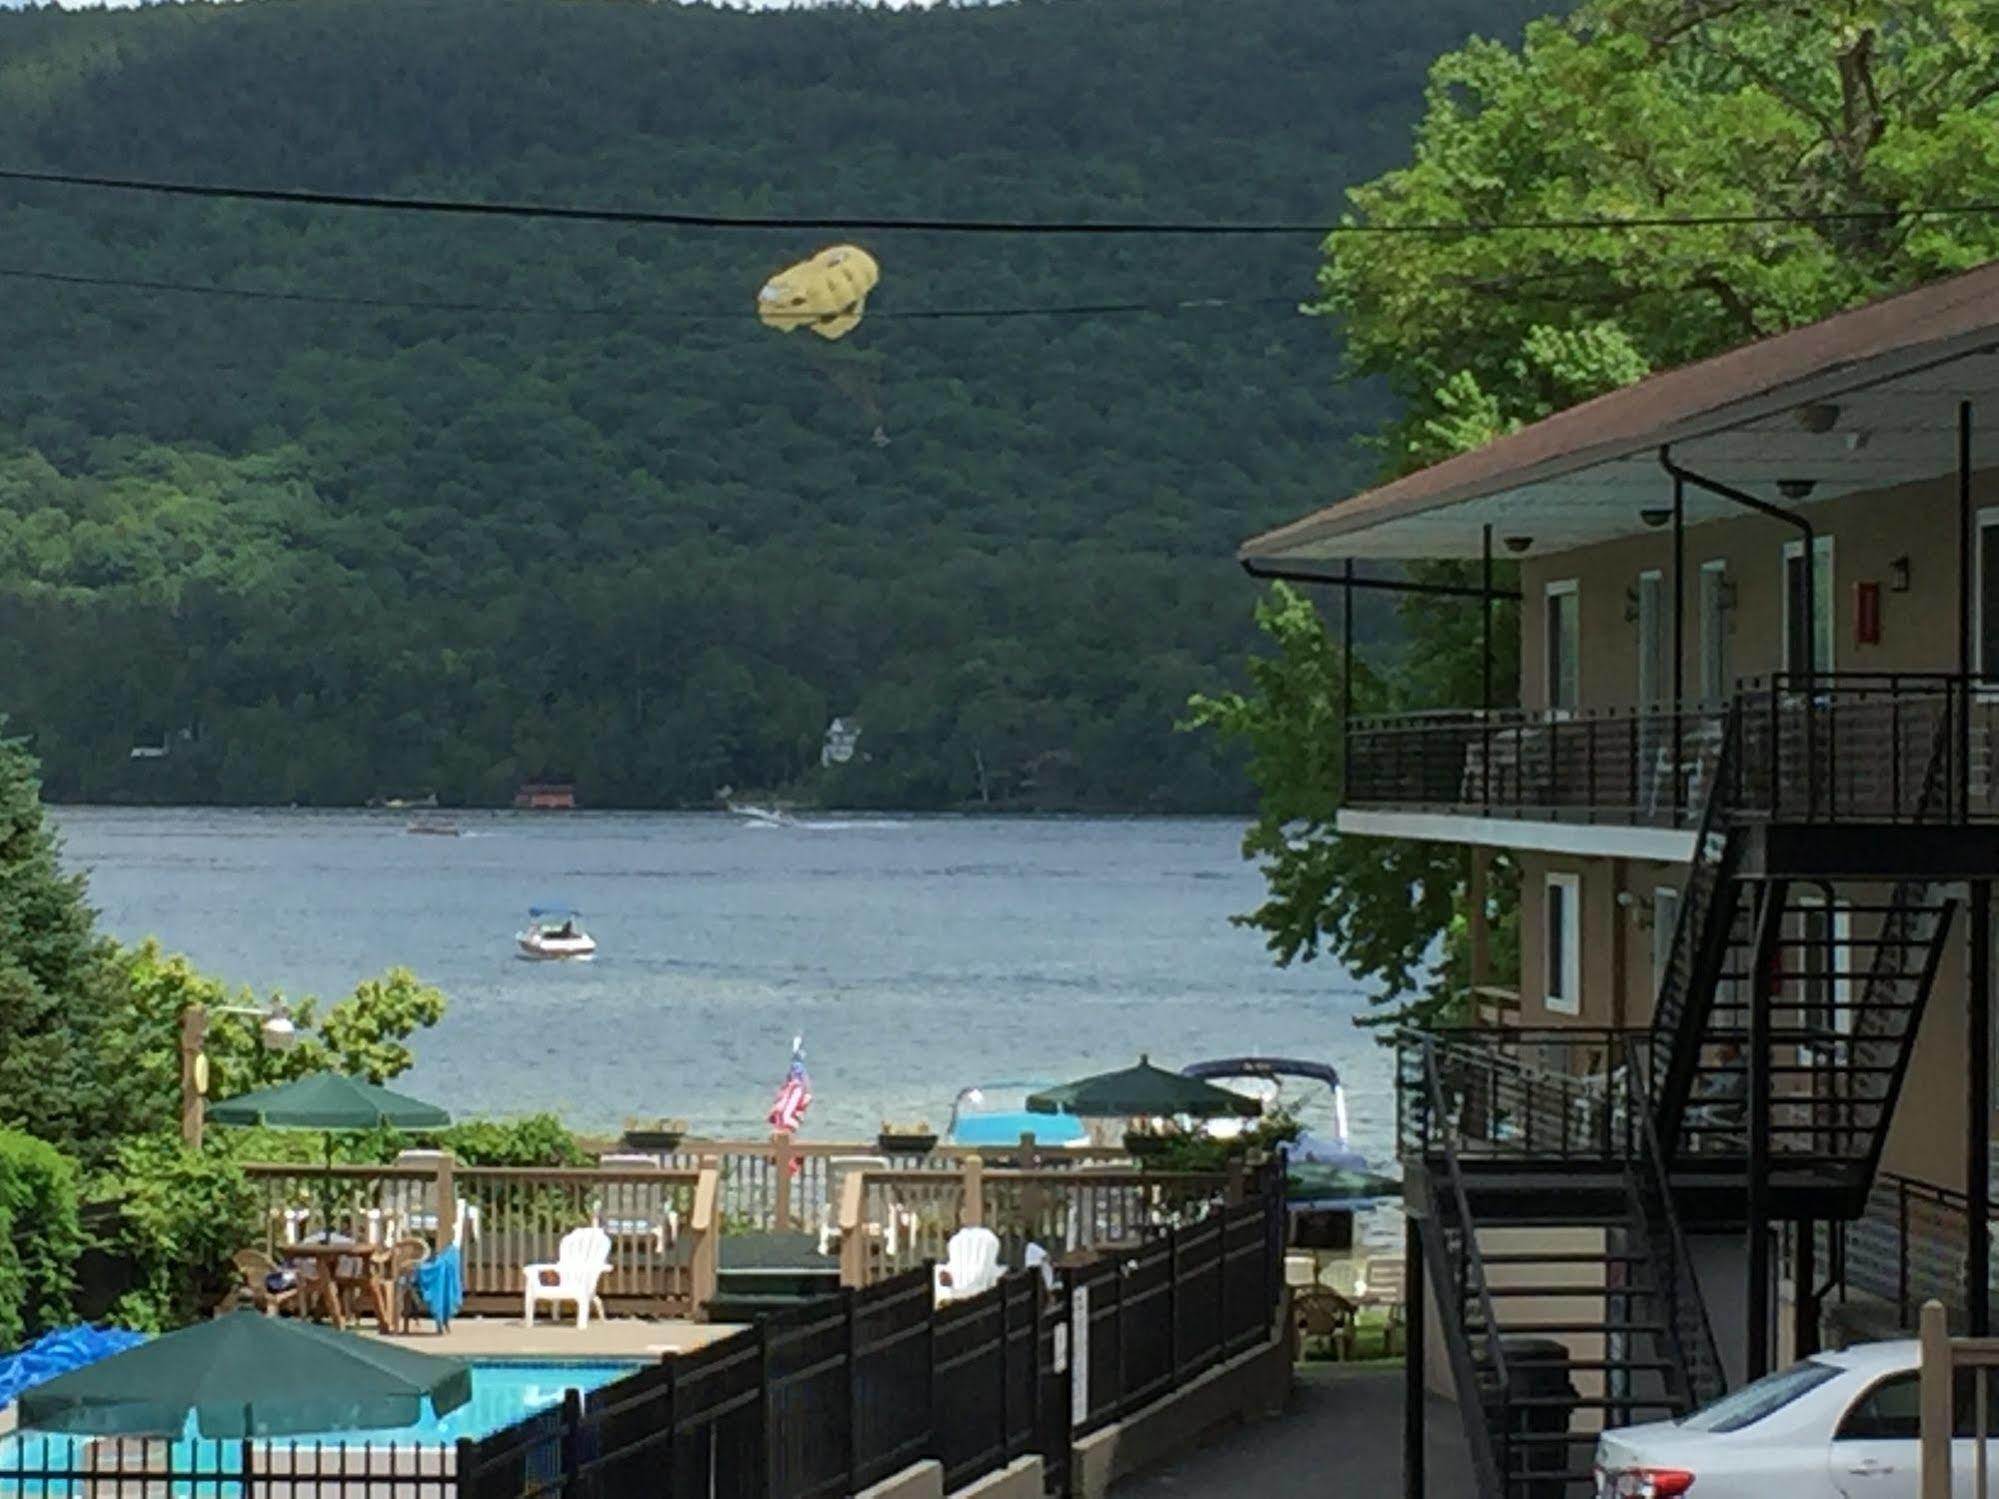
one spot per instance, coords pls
(1142, 1092)
(328, 1101)
(248, 1375)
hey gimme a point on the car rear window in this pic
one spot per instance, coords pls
(1768, 1395)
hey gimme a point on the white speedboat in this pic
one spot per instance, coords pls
(555, 933)
(769, 817)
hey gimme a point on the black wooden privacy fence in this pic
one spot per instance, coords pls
(819, 1401)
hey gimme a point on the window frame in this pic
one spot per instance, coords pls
(1985, 520)
(1793, 550)
(1561, 588)
(1568, 963)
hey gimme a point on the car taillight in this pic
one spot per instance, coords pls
(1643, 1483)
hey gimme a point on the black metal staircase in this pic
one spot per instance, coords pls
(1554, 1171)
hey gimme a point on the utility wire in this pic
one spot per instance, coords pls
(629, 312)
(660, 218)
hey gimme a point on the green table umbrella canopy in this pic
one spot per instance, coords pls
(248, 1375)
(328, 1101)
(1142, 1092)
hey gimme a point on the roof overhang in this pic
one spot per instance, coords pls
(1862, 401)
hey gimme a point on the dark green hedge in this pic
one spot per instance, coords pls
(40, 1237)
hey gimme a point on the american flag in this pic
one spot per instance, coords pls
(794, 1096)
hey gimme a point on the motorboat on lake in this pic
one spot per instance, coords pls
(1323, 1169)
(768, 817)
(996, 1114)
(436, 827)
(555, 933)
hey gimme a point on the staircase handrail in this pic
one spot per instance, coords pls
(1470, 1279)
(1687, 1320)
(1698, 897)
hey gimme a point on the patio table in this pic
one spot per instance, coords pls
(327, 1283)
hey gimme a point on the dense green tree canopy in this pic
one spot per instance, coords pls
(1689, 108)
(322, 552)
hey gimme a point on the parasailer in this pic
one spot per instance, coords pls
(827, 293)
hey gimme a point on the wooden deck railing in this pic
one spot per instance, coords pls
(893, 1221)
(1956, 1408)
(663, 1224)
(760, 1191)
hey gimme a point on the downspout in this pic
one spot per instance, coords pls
(1810, 623)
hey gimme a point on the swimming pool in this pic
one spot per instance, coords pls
(504, 1391)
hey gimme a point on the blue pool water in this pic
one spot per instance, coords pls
(503, 1392)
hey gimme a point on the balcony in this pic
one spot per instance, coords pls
(1860, 748)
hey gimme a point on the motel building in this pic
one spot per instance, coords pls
(1739, 1109)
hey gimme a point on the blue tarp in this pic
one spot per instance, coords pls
(1007, 1128)
(440, 1284)
(59, 1352)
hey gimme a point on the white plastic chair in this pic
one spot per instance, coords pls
(580, 1262)
(972, 1265)
(638, 1210)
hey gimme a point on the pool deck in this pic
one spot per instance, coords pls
(604, 1338)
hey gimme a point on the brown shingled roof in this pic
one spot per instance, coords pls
(1944, 320)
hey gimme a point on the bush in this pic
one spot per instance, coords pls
(531, 1140)
(40, 1237)
(180, 1216)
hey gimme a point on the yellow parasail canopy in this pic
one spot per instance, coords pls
(827, 293)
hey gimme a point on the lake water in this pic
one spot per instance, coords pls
(915, 955)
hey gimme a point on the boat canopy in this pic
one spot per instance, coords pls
(1271, 1067)
(541, 911)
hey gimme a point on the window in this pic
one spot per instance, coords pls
(1889, 1412)
(1794, 606)
(1767, 1396)
(1986, 641)
(1564, 645)
(1564, 956)
(1665, 921)
(1717, 680)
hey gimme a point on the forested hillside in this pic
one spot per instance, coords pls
(591, 517)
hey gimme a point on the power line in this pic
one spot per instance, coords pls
(630, 312)
(299, 197)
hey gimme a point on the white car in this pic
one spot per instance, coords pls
(1836, 1426)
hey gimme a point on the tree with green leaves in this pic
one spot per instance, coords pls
(1853, 113)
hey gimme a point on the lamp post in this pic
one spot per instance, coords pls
(276, 1031)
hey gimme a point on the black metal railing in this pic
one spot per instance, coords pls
(1873, 747)
(1553, 1093)
(1823, 747)
(1707, 908)
(1697, 1358)
(839, 1393)
(1910, 1245)
(1455, 1266)
(1619, 765)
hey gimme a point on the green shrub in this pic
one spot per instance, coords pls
(40, 1237)
(531, 1140)
(180, 1216)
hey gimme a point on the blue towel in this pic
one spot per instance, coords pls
(440, 1284)
(58, 1352)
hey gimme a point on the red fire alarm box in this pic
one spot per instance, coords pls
(1866, 613)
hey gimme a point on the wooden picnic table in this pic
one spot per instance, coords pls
(325, 1287)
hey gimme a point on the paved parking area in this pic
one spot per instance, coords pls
(1341, 1436)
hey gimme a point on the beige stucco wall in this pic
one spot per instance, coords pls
(1616, 938)
(1918, 628)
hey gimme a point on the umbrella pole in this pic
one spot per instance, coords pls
(326, 1189)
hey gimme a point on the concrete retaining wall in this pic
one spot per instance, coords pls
(1252, 1384)
(1019, 1479)
(924, 1480)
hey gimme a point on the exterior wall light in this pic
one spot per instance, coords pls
(1518, 544)
(1818, 418)
(1898, 575)
(1796, 489)
(1656, 516)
